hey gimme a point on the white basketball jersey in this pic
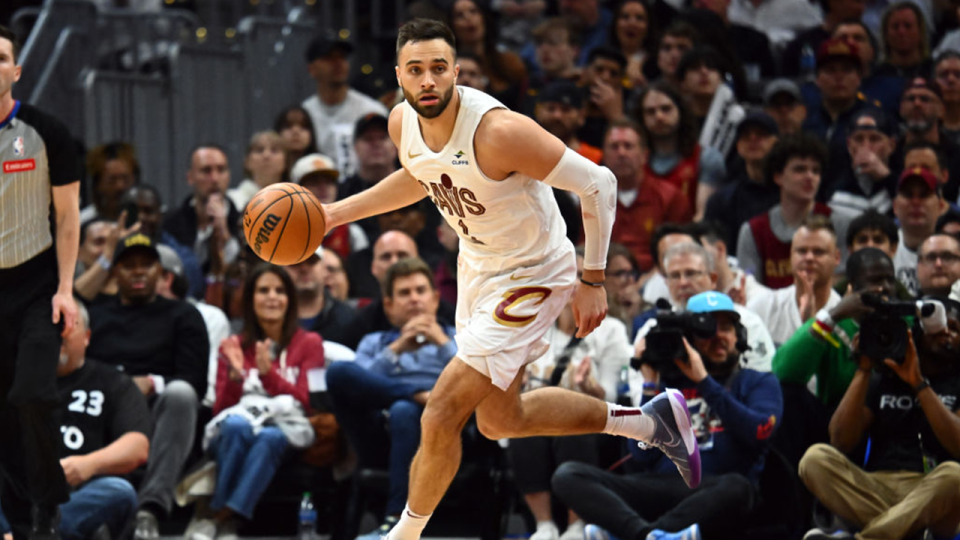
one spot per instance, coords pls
(502, 224)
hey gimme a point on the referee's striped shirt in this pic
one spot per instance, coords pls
(36, 153)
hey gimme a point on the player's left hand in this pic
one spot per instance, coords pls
(65, 307)
(76, 470)
(589, 308)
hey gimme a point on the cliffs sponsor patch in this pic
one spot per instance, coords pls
(19, 165)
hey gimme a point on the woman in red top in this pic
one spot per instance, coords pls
(272, 356)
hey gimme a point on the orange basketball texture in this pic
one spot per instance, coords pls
(284, 224)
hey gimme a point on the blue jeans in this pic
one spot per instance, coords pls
(359, 399)
(246, 464)
(107, 500)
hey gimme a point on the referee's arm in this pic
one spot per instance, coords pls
(66, 205)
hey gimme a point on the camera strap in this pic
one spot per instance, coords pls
(563, 361)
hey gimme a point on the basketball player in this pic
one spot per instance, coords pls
(40, 167)
(489, 171)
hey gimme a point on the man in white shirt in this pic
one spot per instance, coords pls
(336, 107)
(779, 19)
(814, 257)
(917, 205)
(740, 286)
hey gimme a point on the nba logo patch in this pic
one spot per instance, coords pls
(18, 146)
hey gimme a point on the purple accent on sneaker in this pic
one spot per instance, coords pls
(673, 433)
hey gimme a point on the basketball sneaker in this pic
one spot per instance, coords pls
(690, 533)
(673, 434)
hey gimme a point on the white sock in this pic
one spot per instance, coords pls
(628, 422)
(410, 526)
(546, 524)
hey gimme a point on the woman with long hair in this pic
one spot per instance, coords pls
(298, 133)
(631, 35)
(271, 357)
(264, 164)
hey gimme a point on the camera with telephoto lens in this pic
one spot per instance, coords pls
(883, 332)
(665, 340)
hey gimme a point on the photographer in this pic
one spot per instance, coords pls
(733, 412)
(821, 348)
(911, 480)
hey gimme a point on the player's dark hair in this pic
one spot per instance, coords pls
(252, 332)
(800, 145)
(7, 34)
(425, 30)
(403, 268)
(871, 220)
(860, 260)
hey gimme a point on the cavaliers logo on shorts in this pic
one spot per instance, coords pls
(515, 297)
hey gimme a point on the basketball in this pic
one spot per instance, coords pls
(284, 224)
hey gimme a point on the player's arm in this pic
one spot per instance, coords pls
(397, 190)
(507, 139)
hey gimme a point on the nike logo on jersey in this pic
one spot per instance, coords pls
(514, 277)
(411, 155)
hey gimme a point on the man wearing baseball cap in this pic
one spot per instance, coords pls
(336, 107)
(868, 183)
(317, 173)
(376, 155)
(734, 411)
(783, 102)
(918, 205)
(560, 111)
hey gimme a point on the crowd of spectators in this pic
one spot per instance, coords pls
(781, 164)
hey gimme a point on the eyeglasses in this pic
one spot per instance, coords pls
(689, 275)
(945, 256)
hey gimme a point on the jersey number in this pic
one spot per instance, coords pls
(466, 232)
(79, 403)
(72, 437)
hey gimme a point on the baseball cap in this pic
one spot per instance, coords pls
(871, 120)
(368, 122)
(169, 260)
(325, 44)
(780, 86)
(924, 83)
(837, 49)
(312, 163)
(564, 92)
(134, 242)
(712, 302)
(759, 119)
(923, 174)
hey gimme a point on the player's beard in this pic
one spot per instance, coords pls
(430, 111)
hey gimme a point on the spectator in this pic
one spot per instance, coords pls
(700, 72)
(872, 229)
(394, 371)
(264, 165)
(643, 202)
(821, 348)
(471, 73)
(376, 155)
(654, 284)
(318, 174)
(592, 366)
(911, 479)
(676, 41)
(476, 32)
(560, 111)
(632, 36)
(763, 245)
(782, 101)
(691, 270)
(906, 42)
(938, 264)
(98, 240)
(839, 74)
(556, 46)
(884, 88)
(162, 344)
(207, 221)
(675, 156)
(918, 204)
(869, 183)
(809, 41)
(732, 281)
(317, 310)
(654, 504)
(271, 358)
(519, 19)
(780, 20)
(947, 75)
(750, 192)
(144, 201)
(594, 22)
(113, 169)
(814, 255)
(296, 129)
(751, 46)
(336, 280)
(949, 223)
(607, 99)
(621, 284)
(104, 424)
(336, 107)
(172, 285)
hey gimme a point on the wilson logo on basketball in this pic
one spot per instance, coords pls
(263, 235)
(19, 166)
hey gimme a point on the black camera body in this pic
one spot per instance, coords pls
(665, 340)
(884, 332)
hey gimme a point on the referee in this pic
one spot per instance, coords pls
(38, 167)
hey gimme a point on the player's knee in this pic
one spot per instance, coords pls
(496, 427)
(441, 420)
